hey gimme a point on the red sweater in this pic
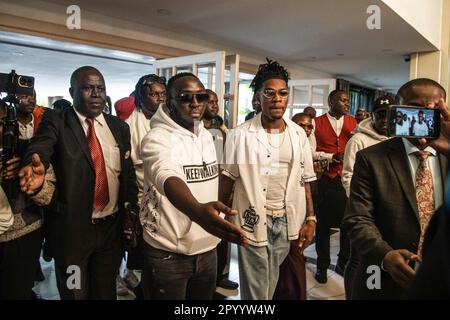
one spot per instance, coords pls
(329, 142)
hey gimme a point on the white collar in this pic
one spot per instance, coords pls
(410, 148)
(100, 119)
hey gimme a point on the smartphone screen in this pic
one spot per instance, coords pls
(413, 122)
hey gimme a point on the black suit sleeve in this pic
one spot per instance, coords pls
(45, 139)
(432, 280)
(130, 179)
(359, 217)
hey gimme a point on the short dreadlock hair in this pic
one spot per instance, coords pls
(143, 82)
(270, 70)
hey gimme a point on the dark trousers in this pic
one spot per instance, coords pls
(349, 275)
(292, 279)
(135, 258)
(19, 261)
(329, 215)
(172, 276)
(98, 269)
(223, 257)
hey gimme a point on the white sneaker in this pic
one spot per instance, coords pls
(121, 287)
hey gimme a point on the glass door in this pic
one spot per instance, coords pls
(304, 93)
(216, 70)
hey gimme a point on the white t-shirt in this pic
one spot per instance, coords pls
(276, 189)
(420, 129)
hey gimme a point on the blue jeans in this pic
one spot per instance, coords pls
(173, 276)
(259, 266)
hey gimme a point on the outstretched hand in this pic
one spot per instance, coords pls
(32, 176)
(208, 217)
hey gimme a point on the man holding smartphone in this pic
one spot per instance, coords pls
(396, 187)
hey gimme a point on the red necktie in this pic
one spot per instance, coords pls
(424, 194)
(101, 192)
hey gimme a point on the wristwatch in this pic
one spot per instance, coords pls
(311, 218)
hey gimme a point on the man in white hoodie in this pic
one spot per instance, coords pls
(179, 211)
(370, 131)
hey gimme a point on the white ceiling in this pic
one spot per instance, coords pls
(325, 35)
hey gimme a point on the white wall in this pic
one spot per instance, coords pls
(424, 15)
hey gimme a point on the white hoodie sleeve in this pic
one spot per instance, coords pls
(157, 155)
(352, 147)
(6, 216)
(308, 172)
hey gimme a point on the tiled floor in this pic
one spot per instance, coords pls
(332, 290)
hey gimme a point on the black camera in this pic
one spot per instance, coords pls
(14, 84)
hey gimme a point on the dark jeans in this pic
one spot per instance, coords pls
(329, 215)
(172, 276)
(135, 258)
(19, 260)
(223, 259)
(99, 268)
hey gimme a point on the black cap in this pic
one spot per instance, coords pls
(382, 102)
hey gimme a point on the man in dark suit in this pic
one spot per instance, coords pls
(90, 152)
(432, 281)
(388, 212)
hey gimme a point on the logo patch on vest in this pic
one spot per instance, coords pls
(251, 219)
(200, 173)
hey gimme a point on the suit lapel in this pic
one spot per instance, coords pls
(399, 161)
(74, 124)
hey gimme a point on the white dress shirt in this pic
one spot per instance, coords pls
(111, 154)
(26, 132)
(336, 124)
(433, 164)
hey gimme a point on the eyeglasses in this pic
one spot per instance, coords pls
(186, 97)
(270, 93)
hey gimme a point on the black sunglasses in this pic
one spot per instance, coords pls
(187, 97)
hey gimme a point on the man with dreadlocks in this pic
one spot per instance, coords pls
(150, 92)
(269, 162)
